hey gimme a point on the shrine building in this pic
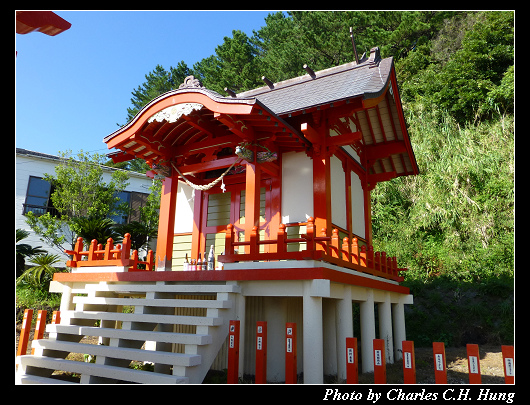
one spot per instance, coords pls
(265, 215)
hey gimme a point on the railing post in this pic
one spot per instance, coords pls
(310, 232)
(346, 249)
(126, 246)
(254, 239)
(352, 362)
(377, 262)
(76, 253)
(24, 332)
(362, 256)
(440, 370)
(280, 241)
(108, 247)
(383, 262)
(261, 352)
(93, 246)
(233, 353)
(229, 240)
(40, 325)
(355, 251)
(508, 360)
(134, 260)
(150, 259)
(370, 257)
(409, 362)
(290, 353)
(335, 243)
(379, 361)
(473, 363)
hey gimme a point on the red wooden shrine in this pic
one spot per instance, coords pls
(303, 153)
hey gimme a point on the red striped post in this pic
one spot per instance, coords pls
(261, 352)
(352, 362)
(409, 362)
(473, 363)
(290, 353)
(40, 325)
(233, 353)
(379, 361)
(440, 370)
(508, 360)
(56, 317)
(24, 332)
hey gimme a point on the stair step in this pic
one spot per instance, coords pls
(170, 288)
(171, 303)
(150, 318)
(119, 373)
(166, 337)
(175, 359)
(35, 379)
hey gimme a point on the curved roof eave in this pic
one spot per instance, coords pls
(210, 99)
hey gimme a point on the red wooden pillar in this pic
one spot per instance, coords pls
(473, 363)
(252, 197)
(508, 360)
(233, 353)
(352, 361)
(409, 362)
(40, 325)
(321, 194)
(379, 361)
(24, 332)
(290, 353)
(261, 352)
(440, 370)
(166, 223)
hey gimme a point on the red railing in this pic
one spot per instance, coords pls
(323, 247)
(119, 255)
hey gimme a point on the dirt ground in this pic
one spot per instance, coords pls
(491, 368)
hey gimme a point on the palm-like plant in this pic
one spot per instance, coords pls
(43, 265)
(24, 250)
(95, 228)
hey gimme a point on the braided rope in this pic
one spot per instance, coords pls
(206, 186)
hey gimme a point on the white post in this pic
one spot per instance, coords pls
(329, 325)
(344, 329)
(385, 327)
(367, 332)
(313, 338)
(398, 315)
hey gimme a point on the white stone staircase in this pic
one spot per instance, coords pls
(185, 324)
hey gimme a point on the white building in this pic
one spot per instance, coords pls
(32, 192)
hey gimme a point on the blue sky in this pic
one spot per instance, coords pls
(72, 89)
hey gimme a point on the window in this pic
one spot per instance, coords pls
(38, 197)
(134, 202)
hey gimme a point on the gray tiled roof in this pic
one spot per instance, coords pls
(368, 79)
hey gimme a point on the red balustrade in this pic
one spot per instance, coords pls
(322, 247)
(110, 255)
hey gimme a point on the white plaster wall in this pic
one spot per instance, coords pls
(297, 187)
(357, 203)
(338, 192)
(26, 166)
(184, 209)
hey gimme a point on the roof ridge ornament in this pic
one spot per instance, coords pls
(191, 82)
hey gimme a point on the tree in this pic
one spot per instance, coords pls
(234, 65)
(78, 190)
(158, 82)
